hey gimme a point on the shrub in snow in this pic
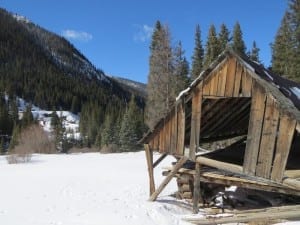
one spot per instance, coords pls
(31, 140)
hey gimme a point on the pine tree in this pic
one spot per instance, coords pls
(27, 118)
(180, 77)
(107, 131)
(198, 55)
(254, 53)
(282, 49)
(130, 131)
(159, 98)
(223, 37)
(238, 43)
(212, 47)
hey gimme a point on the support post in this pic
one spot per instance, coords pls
(173, 172)
(149, 157)
(161, 158)
(197, 190)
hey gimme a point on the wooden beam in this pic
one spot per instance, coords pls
(195, 122)
(284, 141)
(219, 165)
(238, 78)
(197, 190)
(180, 128)
(161, 158)
(293, 183)
(149, 157)
(175, 169)
(254, 129)
(292, 173)
(231, 69)
(266, 214)
(268, 139)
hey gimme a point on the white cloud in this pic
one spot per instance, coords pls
(143, 33)
(77, 35)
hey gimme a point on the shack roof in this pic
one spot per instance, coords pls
(286, 92)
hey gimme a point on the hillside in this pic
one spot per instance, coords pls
(47, 70)
(135, 87)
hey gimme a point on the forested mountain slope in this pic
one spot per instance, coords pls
(47, 70)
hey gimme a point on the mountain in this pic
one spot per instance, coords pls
(134, 87)
(47, 70)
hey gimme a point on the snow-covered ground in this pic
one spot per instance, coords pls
(85, 189)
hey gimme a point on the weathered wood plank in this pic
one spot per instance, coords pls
(206, 87)
(149, 158)
(214, 84)
(268, 139)
(222, 81)
(197, 191)
(255, 129)
(284, 141)
(237, 81)
(175, 169)
(219, 165)
(266, 214)
(168, 135)
(230, 81)
(195, 122)
(181, 129)
(246, 84)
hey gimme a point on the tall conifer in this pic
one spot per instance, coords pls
(198, 55)
(160, 72)
(212, 46)
(238, 43)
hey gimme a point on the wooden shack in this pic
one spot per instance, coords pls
(253, 111)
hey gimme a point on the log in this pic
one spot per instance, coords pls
(220, 165)
(149, 157)
(168, 178)
(269, 214)
(186, 195)
(292, 173)
(197, 191)
(293, 183)
(184, 188)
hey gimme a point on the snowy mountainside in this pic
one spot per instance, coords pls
(62, 52)
(136, 87)
(70, 120)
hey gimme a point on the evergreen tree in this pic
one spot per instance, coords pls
(198, 55)
(58, 131)
(159, 92)
(223, 37)
(286, 47)
(180, 77)
(254, 53)
(27, 118)
(212, 47)
(130, 131)
(15, 137)
(282, 49)
(238, 43)
(107, 131)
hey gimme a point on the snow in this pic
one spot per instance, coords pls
(70, 120)
(296, 91)
(183, 93)
(85, 189)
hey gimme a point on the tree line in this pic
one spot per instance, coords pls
(169, 71)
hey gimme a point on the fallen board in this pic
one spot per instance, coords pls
(265, 214)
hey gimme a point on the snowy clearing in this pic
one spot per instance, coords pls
(85, 189)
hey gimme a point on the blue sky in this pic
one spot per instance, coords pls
(115, 34)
